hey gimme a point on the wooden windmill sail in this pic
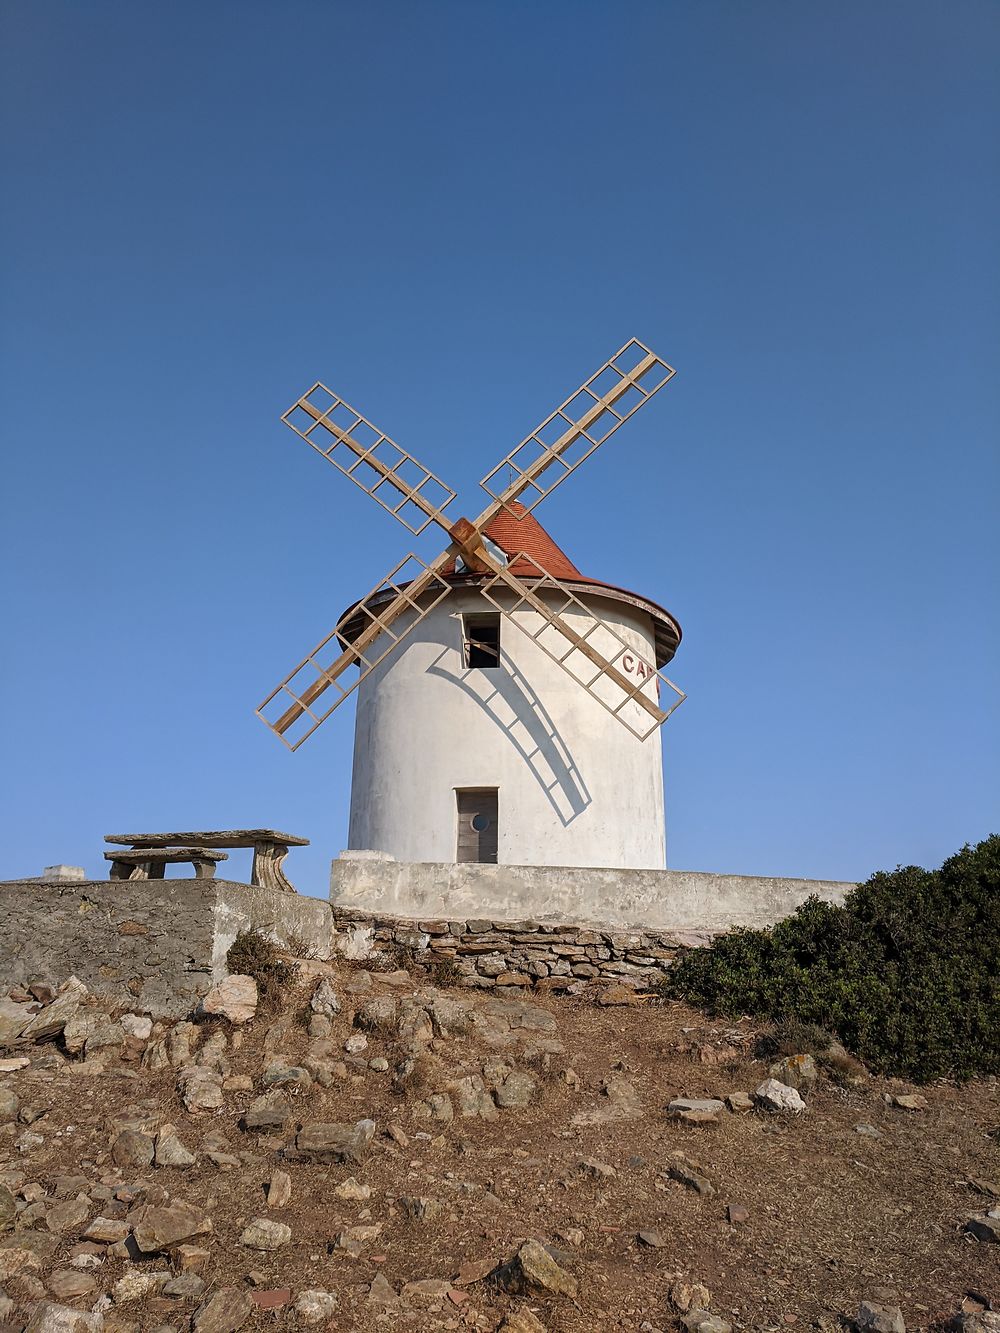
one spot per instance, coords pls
(533, 600)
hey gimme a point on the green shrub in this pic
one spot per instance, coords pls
(905, 973)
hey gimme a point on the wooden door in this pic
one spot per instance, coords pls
(477, 825)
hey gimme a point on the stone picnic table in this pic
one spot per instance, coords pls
(149, 853)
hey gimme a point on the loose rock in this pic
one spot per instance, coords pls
(164, 1228)
(778, 1098)
(696, 1110)
(877, 1317)
(279, 1190)
(234, 997)
(263, 1234)
(225, 1312)
(315, 1307)
(533, 1271)
(335, 1142)
(690, 1174)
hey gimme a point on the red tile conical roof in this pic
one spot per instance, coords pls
(517, 532)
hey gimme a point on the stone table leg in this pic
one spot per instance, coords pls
(267, 862)
(204, 869)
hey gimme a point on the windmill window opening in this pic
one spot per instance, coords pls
(481, 641)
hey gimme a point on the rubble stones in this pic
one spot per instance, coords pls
(335, 1142)
(48, 1317)
(234, 997)
(132, 1149)
(279, 1190)
(107, 1230)
(420, 1209)
(136, 1025)
(984, 1228)
(70, 1215)
(54, 1017)
(271, 1111)
(200, 1088)
(90, 1029)
(263, 1234)
(165, 1227)
(521, 1321)
(778, 1098)
(377, 1014)
(137, 1286)
(796, 1071)
(224, 1312)
(170, 1151)
(325, 1000)
(689, 1174)
(700, 1321)
(518, 1089)
(879, 1317)
(8, 1209)
(69, 1284)
(13, 1018)
(533, 1272)
(472, 1099)
(352, 1190)
(696, 1110)
(685, 1296)
(15, 1261)
(315, 1307)
(490, 951)
(910, 1101)
(597, 1170)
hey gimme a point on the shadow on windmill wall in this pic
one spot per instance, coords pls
(511, 703)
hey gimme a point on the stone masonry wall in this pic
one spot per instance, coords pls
(518, 953)
(154, 945)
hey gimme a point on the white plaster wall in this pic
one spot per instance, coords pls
(575, 787)
(662, 900)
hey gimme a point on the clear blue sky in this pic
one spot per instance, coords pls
(453, 213)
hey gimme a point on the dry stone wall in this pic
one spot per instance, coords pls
(491, 953)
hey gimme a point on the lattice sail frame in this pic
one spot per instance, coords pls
(369, 458)
(580, 425)
(605, 682)
(384, 628)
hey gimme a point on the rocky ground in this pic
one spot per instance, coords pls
(378, 1153)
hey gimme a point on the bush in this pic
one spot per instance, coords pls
(252, 954)
(905, 973)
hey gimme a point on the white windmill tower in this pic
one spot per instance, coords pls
(503, 697)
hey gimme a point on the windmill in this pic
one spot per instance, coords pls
(417, 498)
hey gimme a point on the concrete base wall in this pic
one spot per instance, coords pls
(154, 945)
(649, 900)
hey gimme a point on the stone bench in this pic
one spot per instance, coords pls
(270, 847)
(143, 863)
